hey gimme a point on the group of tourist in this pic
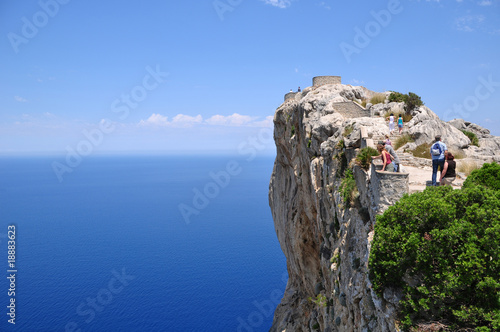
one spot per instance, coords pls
(391, 120)
(442, 159)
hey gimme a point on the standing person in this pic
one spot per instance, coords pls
(438, 151)
(298, 90)
(386, 159)
(448, 174)
(387, 141)
(400, 123)
(391, 123)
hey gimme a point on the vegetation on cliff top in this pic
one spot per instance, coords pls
(441, 249)
(364, 157)
(411, 100)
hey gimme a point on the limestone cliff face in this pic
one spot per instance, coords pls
(326, 243)
(318, 132)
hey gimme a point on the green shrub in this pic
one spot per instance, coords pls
(423, 151)
(378, 98)
(348, 188)
(364, 157)
(363, 103)
(441, 248)
(473, 138)
(402, 140)
(488, 176)
(320, 300)
(412, 101)
(396, 97)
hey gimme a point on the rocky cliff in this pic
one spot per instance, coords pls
(326, 239)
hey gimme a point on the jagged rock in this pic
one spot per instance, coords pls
(425, 125)
(461, 124)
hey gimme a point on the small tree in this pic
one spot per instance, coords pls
(412, 100)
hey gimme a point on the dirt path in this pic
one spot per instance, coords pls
(420, 175)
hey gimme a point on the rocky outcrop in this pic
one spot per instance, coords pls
(325, 239)
(327, 244)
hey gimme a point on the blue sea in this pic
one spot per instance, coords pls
(109, 249)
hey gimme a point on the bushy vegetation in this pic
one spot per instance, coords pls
(423, 151)
(364, 157)
(378, 98)
(411, 100)
(402, 140)
(320, 300)
(348, 188)
(473, 138)
(488, 176)
(396, 97)
(441, 248)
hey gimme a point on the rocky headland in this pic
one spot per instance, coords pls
(325, 239)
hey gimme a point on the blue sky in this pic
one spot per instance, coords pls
(206, 76)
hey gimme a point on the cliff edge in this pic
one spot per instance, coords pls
(324, 236)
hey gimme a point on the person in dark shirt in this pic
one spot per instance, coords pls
(448, 174)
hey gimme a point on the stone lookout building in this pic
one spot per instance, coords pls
(348, 109)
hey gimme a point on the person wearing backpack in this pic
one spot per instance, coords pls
(438, 151)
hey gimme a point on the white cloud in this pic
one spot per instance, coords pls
(468, 23)
(155, 120)
(20, 99)
(268, 122)
(186, 120)
(485, 3)
(183, 121)
(278, 3)
(230, 120)
(325, 5)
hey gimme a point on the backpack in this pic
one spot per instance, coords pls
(436, 151)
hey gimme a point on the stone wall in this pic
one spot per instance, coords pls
(321, 80)
(350, 109)
(290, 95)
(386, 187)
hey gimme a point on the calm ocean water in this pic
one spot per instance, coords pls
(108, 249)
